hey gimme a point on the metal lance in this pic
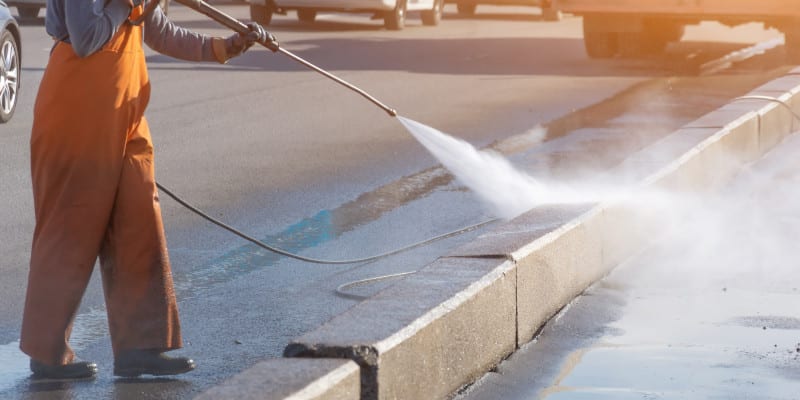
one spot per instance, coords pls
(239, 27)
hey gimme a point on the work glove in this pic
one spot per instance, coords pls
(237, 44)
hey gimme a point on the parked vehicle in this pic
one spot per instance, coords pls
(10, 58)
(392, 11)
(27, 9)
(631, 28)
(468, 7)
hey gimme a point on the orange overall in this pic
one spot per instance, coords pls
(94, 195)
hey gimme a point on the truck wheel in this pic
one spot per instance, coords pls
(306, 15)
(657, 34)
(600, 42)
(433, 16)
(634, 45)
(260, 13)
(466, 8)
(550, 14)
(28, 12)
(395, 20)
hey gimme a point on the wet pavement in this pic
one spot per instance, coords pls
(708, 312)
(241, 304)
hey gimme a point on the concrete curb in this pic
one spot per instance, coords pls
(442, 328)
(456, 317)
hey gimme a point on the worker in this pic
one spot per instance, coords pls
(94, 188)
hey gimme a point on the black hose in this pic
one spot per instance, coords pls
(770, 99)
(309, 259)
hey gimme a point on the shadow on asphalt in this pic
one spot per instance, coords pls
(486, 56)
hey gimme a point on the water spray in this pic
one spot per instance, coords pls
(239, 27)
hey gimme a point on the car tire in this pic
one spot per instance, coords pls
(395, 19)
(260, 13)
(9, 75)
(466, 8)
(433, 16)
(306, 15)
(28, 12)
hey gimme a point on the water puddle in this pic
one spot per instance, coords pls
(89, 327)
(13, 365)
(767, 322)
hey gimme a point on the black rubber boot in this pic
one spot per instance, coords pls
(74, 370)
(133, 363)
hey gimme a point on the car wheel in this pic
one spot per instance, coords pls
(260, 13)
(466, 8)
(9, 75)
(306, 15)
(433, 16)
(396, 19)
(28, 12)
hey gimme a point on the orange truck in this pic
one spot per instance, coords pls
(639, 27)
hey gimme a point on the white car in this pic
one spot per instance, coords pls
(467, 7)
(392, 11)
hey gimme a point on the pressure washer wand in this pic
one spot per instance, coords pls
(238, 26)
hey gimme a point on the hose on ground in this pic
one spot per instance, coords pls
(286, 253)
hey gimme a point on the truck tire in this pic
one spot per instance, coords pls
(633, 45)
(260, 13)
(550, 14)
(600, 44)
(465, 8)
(598, 37)
(658, 34)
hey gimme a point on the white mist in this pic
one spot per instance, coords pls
(506, 191)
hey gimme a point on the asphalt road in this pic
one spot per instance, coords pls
(296, 160)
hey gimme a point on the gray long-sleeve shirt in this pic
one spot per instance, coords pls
(89, 24)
